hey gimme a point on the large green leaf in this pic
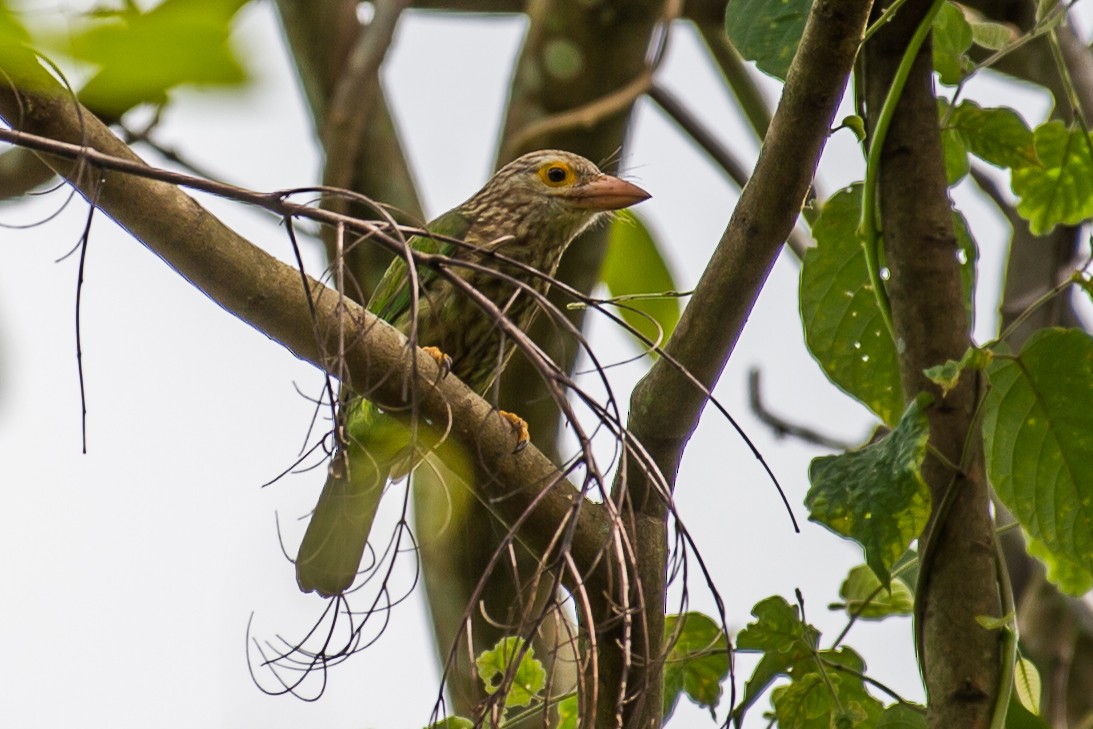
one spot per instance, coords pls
(997, 135)
(634, 265)
(767, 32)
(844, 329)
(697, 663)
(142, 55)
(876, 496)
(1066, 574)
(1038, 440)
(1059, 190)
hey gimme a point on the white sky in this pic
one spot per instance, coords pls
(132, 571)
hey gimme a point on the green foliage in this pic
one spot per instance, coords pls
(948, 374)
(997, 135)
(903, 716)
(767, 32)
(1065, 573)
(952, 37)
(697, 663)
(1058, 190)
(568, 713)
(864, 596)
(876, 496)
(992, 36)
(633, 266)
(844, 329)
(1018, 717)
(1026, 684)
(1038, 442)
(821, 694)
(782, 637)
(452, 722)
(142, 55)
(522, 684)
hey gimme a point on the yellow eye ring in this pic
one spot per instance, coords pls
(556, 174)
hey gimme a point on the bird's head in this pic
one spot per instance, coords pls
(548, 197)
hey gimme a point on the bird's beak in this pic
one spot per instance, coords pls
(606, 193)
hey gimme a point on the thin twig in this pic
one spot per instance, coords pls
(783, 427)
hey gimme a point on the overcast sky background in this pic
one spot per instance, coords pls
(130, 573)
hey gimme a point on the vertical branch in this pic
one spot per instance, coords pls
(958, 582)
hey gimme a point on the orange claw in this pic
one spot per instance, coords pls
(443, 361)
(520, 427)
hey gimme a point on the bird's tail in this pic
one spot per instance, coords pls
(333, 545)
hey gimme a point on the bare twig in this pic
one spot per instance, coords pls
(783, 427)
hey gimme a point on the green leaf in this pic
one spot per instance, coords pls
(1038, 440)
(992, 36)
(143, 55)
(528, 679)
(968, 255)
(862, 585)
(697, 662)
(841, 700)
(568, 713)
(997, 135)
(633, 265)
(1026, 684)
(903, 716)
(954, 152)
(1064, 573)
(767, 32)
(876, 496)
(995, 622)
(844, 329)
(855, 124)
(784, 640)
(948, 374)
(1018, 717)
(952, 37)
(1058, 191)
(453, 722)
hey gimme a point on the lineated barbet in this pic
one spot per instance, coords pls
(529, 212)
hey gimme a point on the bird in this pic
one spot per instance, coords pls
(528, 212)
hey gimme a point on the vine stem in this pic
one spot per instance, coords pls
(870, 234)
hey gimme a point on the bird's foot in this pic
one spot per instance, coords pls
(520, 427)
(443, 361)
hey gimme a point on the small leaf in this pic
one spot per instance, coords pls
(856, 124)
(697, 662)
(993, 622)
(1018, 717)
(633, 265)
(453, 722)
(876, 496)
(903, 716)
(767, 32)
(844, 329)
(568, 713)
(862, 585)
(1066, 574)
(1038, 440)
(822, 696)
(1026, 684)
(948, 374)
(993, 36)
(1059, 191)
(952, 37)
(527, 681)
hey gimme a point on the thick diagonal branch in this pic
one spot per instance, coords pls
(270, 296)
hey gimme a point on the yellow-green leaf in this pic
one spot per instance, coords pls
(1026, 684)
(635, 270)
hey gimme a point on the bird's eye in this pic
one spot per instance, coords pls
(556, 174)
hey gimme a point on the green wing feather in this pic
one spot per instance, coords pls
(391, 299)
(334, 543)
